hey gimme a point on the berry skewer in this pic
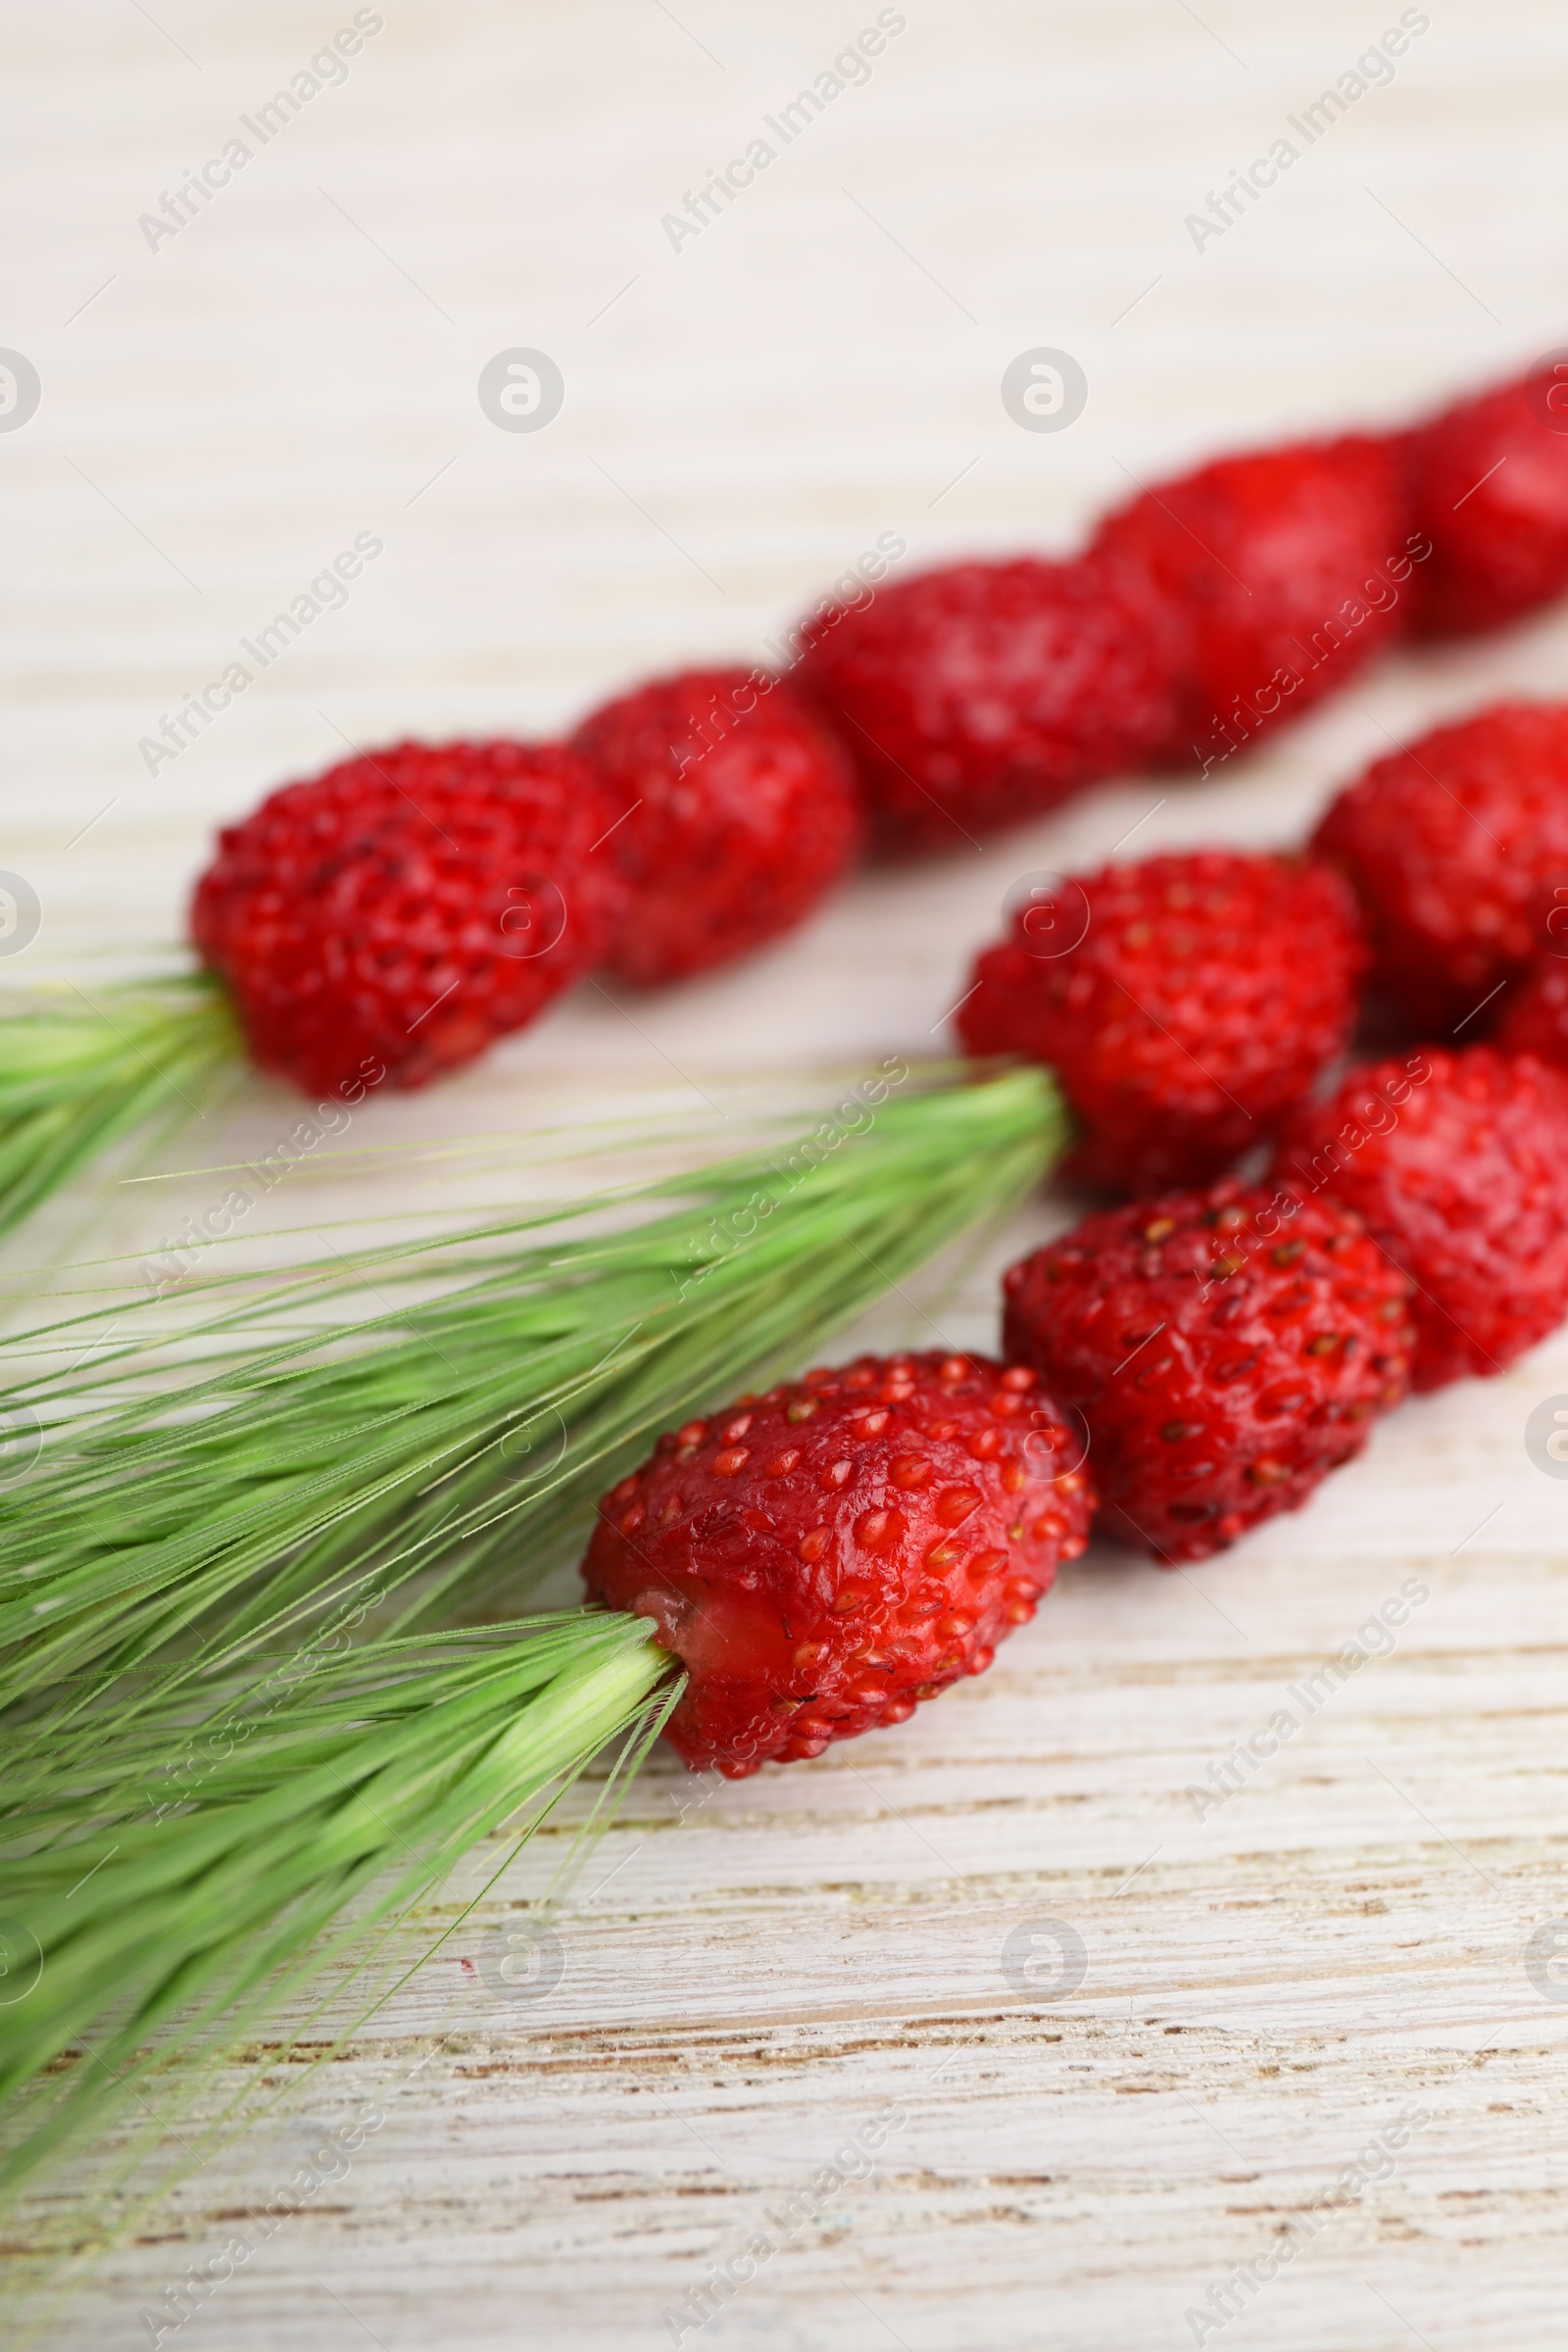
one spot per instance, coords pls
(460, 1402)
(189, 1876)
(1226, 1349)
(1185, 1004)
(886, 1527)
(386, 922)
(1210, 610)
(194, 1563)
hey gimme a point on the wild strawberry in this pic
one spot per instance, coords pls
(1272, 567)
(1448, 844)
(739, 812)
(1535, 1013)
(1458, 1164)
(1226, 1349)
(1488, 487)
(407, 908)
(1184, 1003)
(823, 1558)
(982, 694)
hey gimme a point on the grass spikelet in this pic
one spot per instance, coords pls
(436, 1448)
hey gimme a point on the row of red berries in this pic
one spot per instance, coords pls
(1190, 1001)
(1195, 1006)
(412, 906)
(1191, 1364)
(822, 1558)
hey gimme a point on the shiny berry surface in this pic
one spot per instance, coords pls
(737, 812)
(1448, 844)
(1227, 1348)
(1274, 568)
(1488, 487)
(393, 918)
(824, 1557)
(1458, 1163)
(1184, 1003)
(983, 694)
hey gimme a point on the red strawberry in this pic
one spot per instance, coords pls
(1488, 487)
(740, 812)
(822, 1558)
(1274, 568)
(1448, 844)
(1535, 1021)
(979, 695)
(1227, 1348)
(1185, 1004)
(1458, 1163)
(407, 908)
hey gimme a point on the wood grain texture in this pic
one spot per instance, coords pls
(757, 1976)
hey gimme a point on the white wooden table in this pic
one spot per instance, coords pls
(814, 1961)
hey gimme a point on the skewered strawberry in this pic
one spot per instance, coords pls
(1448, 844)
(1458, 1163)
(1489, 484)
(1184, 1003)
(1279, 570)
(982, 694)
(823, 1558)
(738, 812)
(1226, 1349)
(399, 914)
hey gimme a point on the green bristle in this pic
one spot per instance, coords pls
(186, 1535)
(82, 1069)
(442, 1451)
(167, 1893)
